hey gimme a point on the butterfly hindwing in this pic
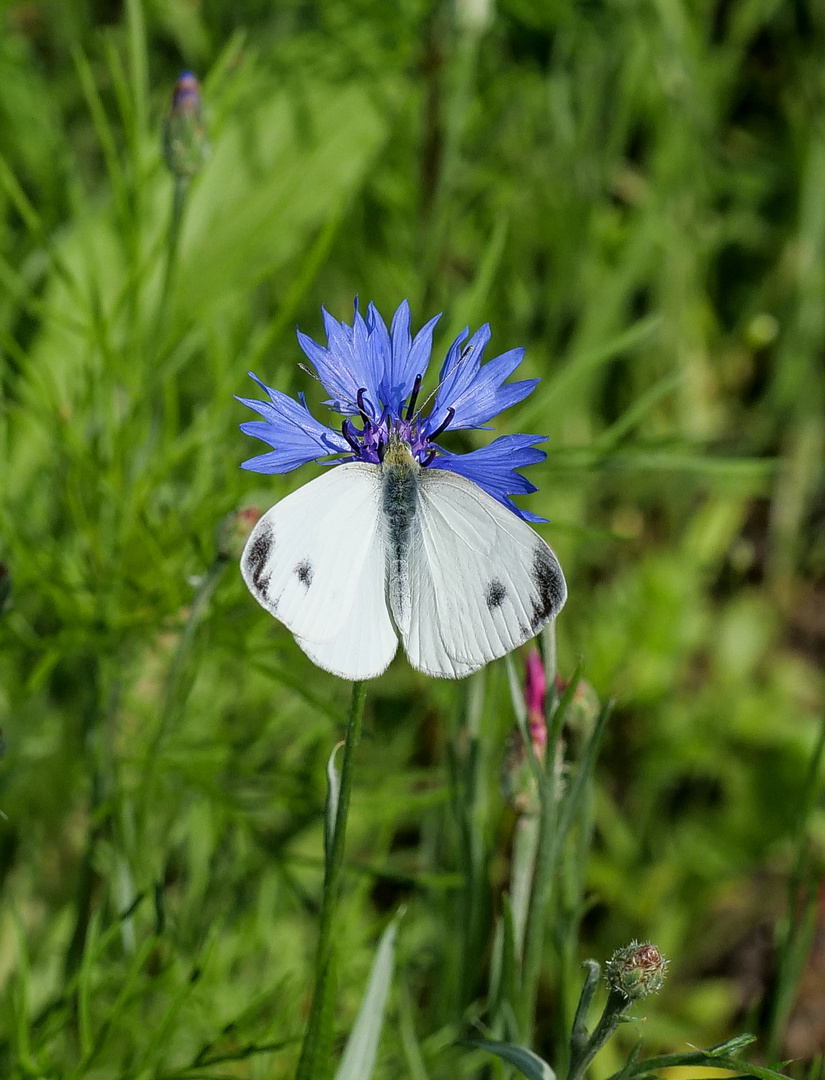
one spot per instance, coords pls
(482, 581)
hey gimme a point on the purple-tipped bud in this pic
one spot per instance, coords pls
(636, 971)
(234, 530)
(518, 782)
(535, 692)
(185, 143)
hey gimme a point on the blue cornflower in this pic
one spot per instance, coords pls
(374, 378)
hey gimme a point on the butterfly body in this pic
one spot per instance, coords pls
(367, 553)
(399, 501)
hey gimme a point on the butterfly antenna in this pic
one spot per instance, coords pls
(357, 405)
(308, 371)
(465, 355)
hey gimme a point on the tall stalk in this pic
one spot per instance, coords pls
(315, 1055)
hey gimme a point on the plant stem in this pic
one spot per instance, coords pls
(525, 848)
(173, 239)
(170, 395)
(795, 941)
(546, 860)
(581, 1056)
(314, 1054)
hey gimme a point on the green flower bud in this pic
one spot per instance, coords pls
(185, 144)
(636, 971)
(518, 784)
(582, 712)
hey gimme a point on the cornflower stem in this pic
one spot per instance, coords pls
(525, 848)
(546, 859)
(314, 1051)
(170, 397)
(173, 239)
(799, 920)
(583, 1050)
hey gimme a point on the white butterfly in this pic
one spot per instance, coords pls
(368, 553)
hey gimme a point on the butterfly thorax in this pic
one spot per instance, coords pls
(399, 499)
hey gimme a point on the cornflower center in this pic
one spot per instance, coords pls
(369, 442)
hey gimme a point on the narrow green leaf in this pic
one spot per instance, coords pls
(362, 1046)
(583, 363)
(579, 1036)
(720, 1057)
(527, 1063)
(317, 1046)
(331, 808)
(409, 1040)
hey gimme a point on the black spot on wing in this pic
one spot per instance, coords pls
(495, 594)
(548, 579)
(304, 572)
(256, 557)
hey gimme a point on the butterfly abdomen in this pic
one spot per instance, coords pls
(399, 503)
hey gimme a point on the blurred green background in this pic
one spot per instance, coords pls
(632, 189)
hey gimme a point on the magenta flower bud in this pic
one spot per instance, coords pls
(535, 691)
(185, 144)
(636, 971)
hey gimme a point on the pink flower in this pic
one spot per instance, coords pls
(535, 691)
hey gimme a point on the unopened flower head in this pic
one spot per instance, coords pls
(582, 711)
(185, 143)
(374, 377)
(637, 970)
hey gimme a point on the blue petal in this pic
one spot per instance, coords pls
(494, 467)
(477, 393)
(291, 430)
(407, 358)
(346, 365)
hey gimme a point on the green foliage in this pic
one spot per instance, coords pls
(633, 191)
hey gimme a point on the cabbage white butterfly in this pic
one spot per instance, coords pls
(402, 539)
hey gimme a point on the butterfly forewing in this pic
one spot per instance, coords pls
(317, 556)
(482, 581)
(367, 641)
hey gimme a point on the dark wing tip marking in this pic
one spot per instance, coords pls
(549, 581)
(256, 557)
(496, 594)
(304, 572)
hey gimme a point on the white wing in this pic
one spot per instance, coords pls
(482, 581)
(364, 646)
(316, 561)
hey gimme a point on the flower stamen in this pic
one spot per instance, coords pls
(445, 423)
(413, 397)
(362, 404)
(346, 431)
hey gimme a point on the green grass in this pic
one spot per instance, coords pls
(633, 191)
